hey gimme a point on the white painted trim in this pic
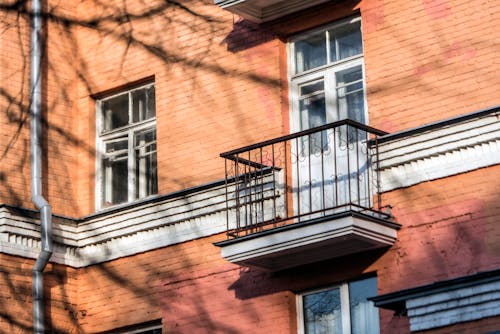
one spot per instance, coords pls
(306, 235)
(449, 150)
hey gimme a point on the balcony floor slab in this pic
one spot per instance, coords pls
(311, 241)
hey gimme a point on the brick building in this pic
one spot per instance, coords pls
(253, 166)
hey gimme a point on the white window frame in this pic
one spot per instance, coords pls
(143, 330)
(138, 329)
(344, 305)
(326, 71)
(127, 131)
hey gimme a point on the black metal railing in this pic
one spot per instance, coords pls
(302, 176)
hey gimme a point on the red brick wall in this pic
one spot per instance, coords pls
(14, 104)
(16, 296)
(428, 60)
(449, 230)
(187, 285)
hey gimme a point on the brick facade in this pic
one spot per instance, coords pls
(222, 83)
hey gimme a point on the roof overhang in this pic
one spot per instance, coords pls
(265, 10)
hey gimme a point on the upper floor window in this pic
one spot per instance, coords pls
(154, 327)
(327, 75)
(126, 142)
(342, 309)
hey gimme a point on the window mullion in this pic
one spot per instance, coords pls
(331, 96)
(345, 308)
(327, 44)
(131, 153)
(131, 166)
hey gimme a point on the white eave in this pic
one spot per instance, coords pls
(265, 10)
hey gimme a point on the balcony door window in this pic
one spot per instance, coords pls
(327, 76)
(343, 309)
(327, 85)
(126, 142)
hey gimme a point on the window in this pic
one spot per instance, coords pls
(327, 76)
(341, 309)
(126, 142)
(154, 327)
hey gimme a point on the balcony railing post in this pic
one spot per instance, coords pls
(237, 193)
(358, 180)
(323, 203)
(379, 197)
(348, 166)
(227, 196)
(335, 165)
(274, 182)
(297, 154)
(261, 214)
(285, 181)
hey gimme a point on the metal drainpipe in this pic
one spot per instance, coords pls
(36, 168)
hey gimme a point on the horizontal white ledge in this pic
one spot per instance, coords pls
(443, 150)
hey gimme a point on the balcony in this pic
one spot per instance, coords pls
(265, 10)
(305, 197)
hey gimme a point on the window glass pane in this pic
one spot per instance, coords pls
(115, 185)
(311, 88)
(310, 53)
(143, 104)
(345, 43)
(322, 314)
(116, 146)
(151, 102)
(364, 315)
(145, 162)
(313, 111)
(312, 114)
(115, 171)
(312, 105)
(350, 96)
(115, 112)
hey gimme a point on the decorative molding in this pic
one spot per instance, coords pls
(446, 148)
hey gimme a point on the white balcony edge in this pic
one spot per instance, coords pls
(305, 235)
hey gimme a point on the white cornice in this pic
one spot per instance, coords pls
(108, 236)
(439, 152)
(452, 307)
